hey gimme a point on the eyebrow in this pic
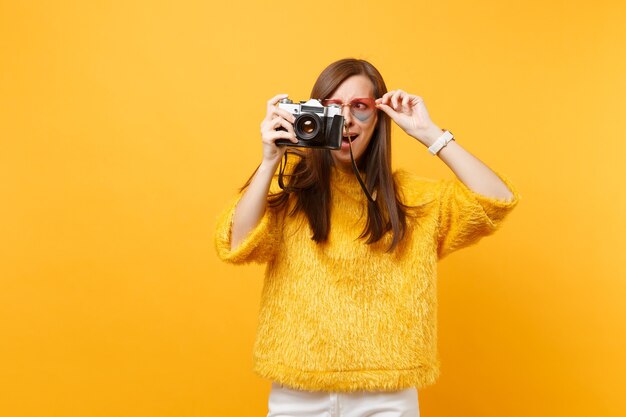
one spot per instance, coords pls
(354, 98)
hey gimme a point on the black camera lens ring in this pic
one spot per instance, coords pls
(305, 132)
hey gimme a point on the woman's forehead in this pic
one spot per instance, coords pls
(357, 86)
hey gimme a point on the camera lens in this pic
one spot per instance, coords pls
(307, 126)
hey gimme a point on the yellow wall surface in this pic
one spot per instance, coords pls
(126, 125)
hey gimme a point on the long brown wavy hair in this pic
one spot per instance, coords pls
(309, 183)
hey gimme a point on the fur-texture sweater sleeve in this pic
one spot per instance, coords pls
(463, 216)
(261, 242)
(466, 216)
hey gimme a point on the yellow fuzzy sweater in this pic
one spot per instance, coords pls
(344, 316)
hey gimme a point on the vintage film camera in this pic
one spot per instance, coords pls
(315, 126)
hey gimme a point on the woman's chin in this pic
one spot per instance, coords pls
(342, 156)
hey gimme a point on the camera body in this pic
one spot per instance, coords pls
(315, 126)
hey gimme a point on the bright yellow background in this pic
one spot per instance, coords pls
(125, 127)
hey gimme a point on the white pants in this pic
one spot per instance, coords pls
(287, 402)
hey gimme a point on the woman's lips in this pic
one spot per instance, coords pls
(345, 144)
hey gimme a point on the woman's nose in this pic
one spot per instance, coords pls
(347, 115)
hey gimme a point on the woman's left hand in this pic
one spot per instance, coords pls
(410, 113)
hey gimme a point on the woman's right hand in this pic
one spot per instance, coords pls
(276, 118)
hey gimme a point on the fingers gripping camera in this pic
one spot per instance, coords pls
(316, 126)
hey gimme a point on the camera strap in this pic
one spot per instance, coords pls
(356, 169)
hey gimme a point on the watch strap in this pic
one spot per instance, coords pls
(442, 141)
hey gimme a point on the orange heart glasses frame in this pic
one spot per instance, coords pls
(361, 108)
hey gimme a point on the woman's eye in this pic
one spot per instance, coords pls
(359, 105)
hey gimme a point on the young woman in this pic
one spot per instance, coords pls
(347, 323)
